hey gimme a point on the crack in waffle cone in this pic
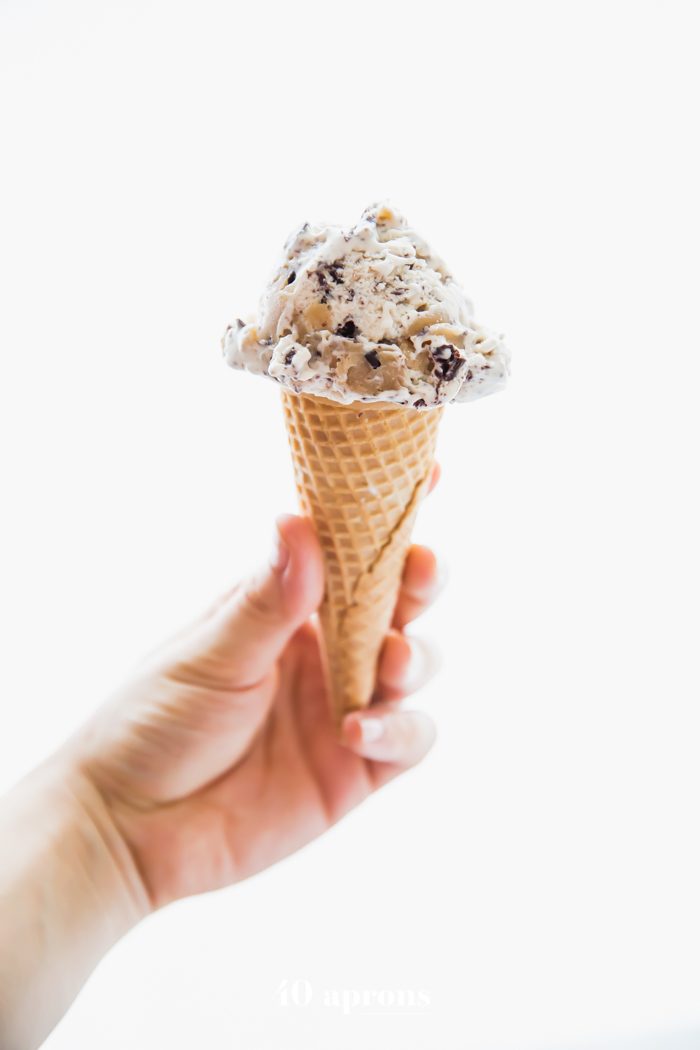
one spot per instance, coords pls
(361, 471)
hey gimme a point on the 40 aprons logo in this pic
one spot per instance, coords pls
(299, 993)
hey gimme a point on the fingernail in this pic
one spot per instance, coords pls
(424, 661)
(441, 574)
(280, 554)
(371, 729)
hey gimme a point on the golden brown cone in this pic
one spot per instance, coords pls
(361, 471)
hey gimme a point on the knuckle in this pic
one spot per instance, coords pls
(257, 603)
(402, 731)
(413, 735)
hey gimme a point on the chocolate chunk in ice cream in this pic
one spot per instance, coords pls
(448, 361)
(348, 329)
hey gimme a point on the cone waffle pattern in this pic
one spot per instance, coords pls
(361, 471)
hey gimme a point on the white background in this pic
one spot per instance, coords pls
(538, 876)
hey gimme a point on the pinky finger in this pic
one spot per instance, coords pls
(387, 735)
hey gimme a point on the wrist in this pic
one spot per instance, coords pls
(69, 889)
(100, 854)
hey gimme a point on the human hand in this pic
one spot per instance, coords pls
(221, 757)
(218, 760)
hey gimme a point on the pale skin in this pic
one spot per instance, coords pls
(219, 759)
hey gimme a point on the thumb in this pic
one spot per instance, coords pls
(253, 625)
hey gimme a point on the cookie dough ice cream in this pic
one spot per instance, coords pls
(368, 314)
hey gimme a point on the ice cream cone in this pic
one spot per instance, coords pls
(361, 470)
(369, 335)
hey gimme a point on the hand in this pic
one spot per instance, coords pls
(218, 760)
(222, 758)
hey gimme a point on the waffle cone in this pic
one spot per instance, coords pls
(361, 471)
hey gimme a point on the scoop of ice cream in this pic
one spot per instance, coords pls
(368, 314)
